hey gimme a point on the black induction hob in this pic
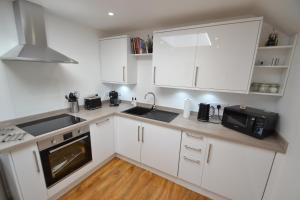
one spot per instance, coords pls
(49, 124)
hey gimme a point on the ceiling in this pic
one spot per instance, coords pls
(133, 15)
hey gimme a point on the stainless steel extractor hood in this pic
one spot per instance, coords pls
(32, 37)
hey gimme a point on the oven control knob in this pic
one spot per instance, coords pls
(53, 141)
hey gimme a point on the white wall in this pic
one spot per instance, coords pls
(31, 88)
(285, 178)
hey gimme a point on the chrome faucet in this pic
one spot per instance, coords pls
(153, 106)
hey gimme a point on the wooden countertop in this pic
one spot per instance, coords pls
(273, 143)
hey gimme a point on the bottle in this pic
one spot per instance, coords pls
(187, 108)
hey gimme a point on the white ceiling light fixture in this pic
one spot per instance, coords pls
(111, 13)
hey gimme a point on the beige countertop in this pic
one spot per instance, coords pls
(274, 143)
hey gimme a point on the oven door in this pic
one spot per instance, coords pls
(237, 121)
(63, 159)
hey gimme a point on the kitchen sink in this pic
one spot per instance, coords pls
(155, 114)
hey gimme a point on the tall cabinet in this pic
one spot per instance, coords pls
(217, 56)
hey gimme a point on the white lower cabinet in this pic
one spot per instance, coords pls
(102, 139)
(160, 148)
(236, 171)
(192, 158)
(29, 173)
(154, 146)
(128, 138)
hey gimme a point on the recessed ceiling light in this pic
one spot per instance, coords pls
(111, 14)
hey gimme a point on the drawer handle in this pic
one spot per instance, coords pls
(98, 123)
(208, 154)
(138, 133)
(194, 136)
(192, 160)
(192, 148)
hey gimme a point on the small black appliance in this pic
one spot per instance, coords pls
(251, 121)
(203, 113)
(93, 102)
(114, 98)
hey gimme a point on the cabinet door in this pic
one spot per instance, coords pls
(29, 171)
(160, 148)
(174, 58)
(102, 134)
(236, 171)
(128, 136)
(113, 59)
(225, 56)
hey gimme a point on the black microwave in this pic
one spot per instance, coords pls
(251, 121)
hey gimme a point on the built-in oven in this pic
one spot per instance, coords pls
(63, 154)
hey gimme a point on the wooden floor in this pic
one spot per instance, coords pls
(120, 180)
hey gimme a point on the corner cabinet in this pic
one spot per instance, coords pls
(116, 62)
(154, 146)
(236, 171)
(216, 57)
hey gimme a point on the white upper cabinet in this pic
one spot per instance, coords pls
(216, 57)
(117, 63)
(225, 56)
(236, 171)
(174, 58)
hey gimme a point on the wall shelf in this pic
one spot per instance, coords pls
(276, 47)
(142, 55)
(272, 66)
(267, 94)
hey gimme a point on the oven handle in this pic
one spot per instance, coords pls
(61, 147)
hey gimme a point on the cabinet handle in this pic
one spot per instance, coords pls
(154, 75)
(196, 76)
(208, 154)
(192, 148)
(98, 123)
(192, 160)
(194, 136)
(36, 162)
(142, 134)
(138, 133)
(123, 73)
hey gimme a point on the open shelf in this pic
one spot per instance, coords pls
(276, 47)
(142, 54)
(267, 94)
(272, 66)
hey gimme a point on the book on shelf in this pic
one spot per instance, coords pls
(138, 46)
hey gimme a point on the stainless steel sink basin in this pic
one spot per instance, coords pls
(159, 115)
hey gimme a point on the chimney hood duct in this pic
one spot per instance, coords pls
(31, 30)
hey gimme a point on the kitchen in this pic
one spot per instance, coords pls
(232, 165)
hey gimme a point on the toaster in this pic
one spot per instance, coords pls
(93, 102)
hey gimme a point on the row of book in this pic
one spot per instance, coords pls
(138, 46)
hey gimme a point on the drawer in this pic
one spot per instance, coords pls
(192, 144)
(190, 169)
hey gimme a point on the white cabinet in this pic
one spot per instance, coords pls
(174, 58)
(29, 173)
(160, 148)
(154, 146)
(102, 139)
(117, 63)
(128, 138)
(226, 61)
(192, 158)
(236, 171)
(216, 57)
